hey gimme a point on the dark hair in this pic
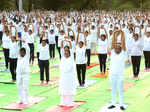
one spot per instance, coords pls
(103, 35)
(81, 42)
(23, 49)
(66, 47)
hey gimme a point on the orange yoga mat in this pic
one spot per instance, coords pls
(66, 109)
(127, 85)
(51, 82)
(100, 75)
(19, 107)
(91, 65)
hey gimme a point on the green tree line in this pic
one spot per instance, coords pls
(75, 4)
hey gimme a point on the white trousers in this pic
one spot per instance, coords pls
(22, 83)
(93, 47)
(67, 100)
(117, 82)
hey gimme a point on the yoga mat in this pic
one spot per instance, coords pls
(8, 82)
(117, 109)
(100, 75)
(51, 82)
(93, 54)
(66, 109)
(1, 95)
(146, 70)
(127, 85)
(32, 101)
(91, 65)
(87, 84)
(142, 75)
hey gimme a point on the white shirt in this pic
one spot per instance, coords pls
(117, 63)
(137, 46)
(88, 42)
(80, 55)
(60, 38)
(44, 52)
(30, 38)
(14, 50)
(51, 38)
(1, 27)
(146, 44)
(102, 46)
(23, 62)
(6, 41)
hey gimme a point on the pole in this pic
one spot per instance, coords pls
(20, 5)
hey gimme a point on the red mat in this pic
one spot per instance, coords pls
(91, 65)
(51, 82)
(32, 101)
(94, 54)
(1, 50)
(100, 75)
(66, 109)
(127, 85)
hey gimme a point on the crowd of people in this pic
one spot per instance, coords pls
(115, 36)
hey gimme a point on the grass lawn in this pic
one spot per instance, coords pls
(97, 95)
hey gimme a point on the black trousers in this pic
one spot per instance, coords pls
(56, 39)
(102, 60)
(44, 66)
(147, 59)
(136, 60)
(88, 54)
(6, 56)
(38, 54)
(13, 66)
(1, 35)
(59, 52)
(52, 50)
(81, 71)
(31, 46)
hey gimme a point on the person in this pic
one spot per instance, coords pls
(13, 55)
(44, 58)
(136, 52)
(1, 32)
(102, 48)
(30, 40)
(146, 48)
(67, 84)
(51, 38)
(22, 72)
(6, 44)
(88, 48)
(118, 56)
(81, 60)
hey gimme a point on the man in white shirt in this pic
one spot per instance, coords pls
(117, 67)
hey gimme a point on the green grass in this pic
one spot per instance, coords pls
(96, 95)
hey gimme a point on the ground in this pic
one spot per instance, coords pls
(96, 96)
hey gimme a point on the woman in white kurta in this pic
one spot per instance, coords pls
(67, 84)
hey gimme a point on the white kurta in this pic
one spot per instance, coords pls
(68, 82)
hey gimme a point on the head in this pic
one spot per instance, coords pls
(118, 48)
(43, 43)
(131, 30)
(110, 32)
(30, 32)
(62, 32)
(81, 44)
(103, 37)
(13, 38)
(135, 36)
(22, 52)
(86, 33)
(66, 48)
(67, 53)
(148, 34)
(51, 31)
